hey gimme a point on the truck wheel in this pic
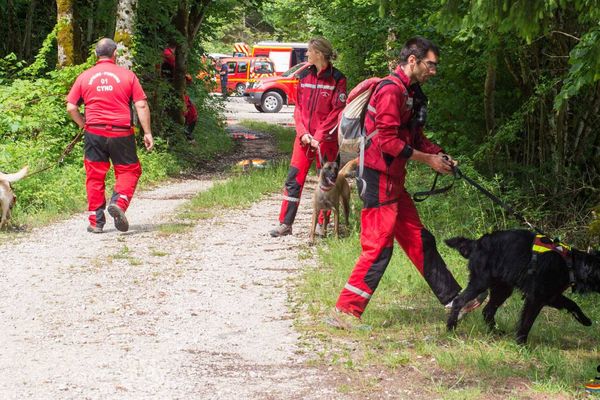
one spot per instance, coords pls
(259, 108)
(271, 102)
(240, 88)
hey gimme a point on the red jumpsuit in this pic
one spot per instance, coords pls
(321, 97)
(388, 211)
(108, 91)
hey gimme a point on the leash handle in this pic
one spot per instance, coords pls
(422, 196)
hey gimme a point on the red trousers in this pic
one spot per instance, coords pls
(389, 214)
(99, 152)
(302, 159)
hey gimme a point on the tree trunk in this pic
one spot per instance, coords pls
(65, 36)
(89, 32)
(181, 22)
(26, 47)
(124, 32)
(488, 95)
(14, 38)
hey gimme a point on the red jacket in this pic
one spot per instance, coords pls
(191, 114)
(390, 110)
(321, 97)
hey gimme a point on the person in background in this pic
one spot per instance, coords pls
(223, 75)
(321, 97)
(190, 114)
(107, 92)
(168, 64)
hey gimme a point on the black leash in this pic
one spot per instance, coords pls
(458, 174)
(65, 153)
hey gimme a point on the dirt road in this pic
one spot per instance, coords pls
(199, 314)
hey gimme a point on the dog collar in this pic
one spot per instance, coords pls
(325, 189)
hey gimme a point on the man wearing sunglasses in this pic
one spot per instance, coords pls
(397, 110)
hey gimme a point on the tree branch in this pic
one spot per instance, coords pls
(197, 14)
(568, 35)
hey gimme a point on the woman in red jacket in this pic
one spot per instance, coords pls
(321, 97)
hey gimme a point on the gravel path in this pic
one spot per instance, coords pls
(202, 313)
(197, 314)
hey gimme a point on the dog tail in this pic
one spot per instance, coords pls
(349, 170)
(464, 246)
(16, 176)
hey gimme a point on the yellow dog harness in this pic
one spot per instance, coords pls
(543, 244)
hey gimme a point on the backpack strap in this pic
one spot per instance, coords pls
(365, 139)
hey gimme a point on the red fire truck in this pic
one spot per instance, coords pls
(243, 71)
(270, 94)
(283, 55)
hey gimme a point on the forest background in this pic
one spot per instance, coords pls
(516, 98)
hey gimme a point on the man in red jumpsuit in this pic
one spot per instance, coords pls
(190, 114)
(108, 91)
(395, 110)
(321, 97)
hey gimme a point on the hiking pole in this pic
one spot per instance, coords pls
(459, 174)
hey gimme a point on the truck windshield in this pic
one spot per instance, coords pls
(263, 67)
(291, 71)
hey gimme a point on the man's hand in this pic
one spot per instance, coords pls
(305, 139)
(308, 139)
(73, 111)
(148, 141)
(441, 163)
(449, 158)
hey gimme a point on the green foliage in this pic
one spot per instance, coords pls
(585, 67)
(595, 225)
(10, 67)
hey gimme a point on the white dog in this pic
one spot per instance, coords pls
(7, 197)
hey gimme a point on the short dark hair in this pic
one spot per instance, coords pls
(105, 47)
(417, 46)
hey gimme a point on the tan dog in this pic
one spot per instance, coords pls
(331, 187)
(7, 196)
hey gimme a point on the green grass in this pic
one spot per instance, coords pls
(240, 190)
(174, 228)
(409, 323)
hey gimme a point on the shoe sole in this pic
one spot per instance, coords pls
(94, 230)
(277, 234)
(340, 324)
(120, 219)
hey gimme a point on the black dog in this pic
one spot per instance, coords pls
(502, 260)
